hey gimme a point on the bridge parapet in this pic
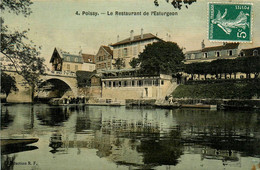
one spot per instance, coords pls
(61, 73)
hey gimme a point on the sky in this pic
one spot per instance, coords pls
(54, 23)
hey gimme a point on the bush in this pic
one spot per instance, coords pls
(224, 90)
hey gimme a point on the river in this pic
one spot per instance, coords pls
(111, 138)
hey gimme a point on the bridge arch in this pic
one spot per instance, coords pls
(63, 84)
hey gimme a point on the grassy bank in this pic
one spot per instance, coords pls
(223, 90)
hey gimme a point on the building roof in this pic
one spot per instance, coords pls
(119, 70)
(88, 58)
(65, 56)
(108, 49)
(136, 39)
(193, 52)
(222, 47)
(250, 51)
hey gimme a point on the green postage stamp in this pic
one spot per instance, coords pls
(230, 22)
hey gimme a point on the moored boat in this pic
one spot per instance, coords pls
(17, 142)
(199, 106)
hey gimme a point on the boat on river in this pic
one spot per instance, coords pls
(230, 104)
(17, 142)
(199, 106)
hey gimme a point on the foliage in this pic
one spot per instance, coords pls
(134, 62)
(245, 65)
(223, 90)
(17, 7)
(83, 78)
(119, 63)
(8, 83)
(161, 57)
(17, 48)
(177, 3)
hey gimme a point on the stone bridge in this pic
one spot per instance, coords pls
(65, 77)
(24, 93)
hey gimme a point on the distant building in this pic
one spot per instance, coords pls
(104, 58)
(250, 52)
(88, 62)
(131, 47)
(64, 61)
(225, 51)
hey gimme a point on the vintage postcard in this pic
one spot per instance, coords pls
(130, 84)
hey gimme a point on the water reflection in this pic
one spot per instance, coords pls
(54, 116)
(55, 142)
(147, 138)
(6, 118)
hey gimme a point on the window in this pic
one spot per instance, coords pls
(162, 82)
(133, 83)
(255, 53)
(156, 82)
(76, 59)
(109, 84)
(242, 54)
(140, 83)
(192, 56)
(68, 66)
(76, 67)
(135, 51)
(146, 92)
(125, 52)
(68, 58)
(230, 53)
(125, 83)
(217, 54)
(119, 52)
(205, 55)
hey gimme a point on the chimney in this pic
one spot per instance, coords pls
(202, 44)
(80, 50)
(131, 35)
(117, 38)
(142, 33)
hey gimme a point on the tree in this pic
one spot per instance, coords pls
(161, 57)
(119, 63)
(190, 69)
(8, 84)
(177, 3)
(18, 48)
(134, 62)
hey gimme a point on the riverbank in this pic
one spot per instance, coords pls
(228, 94)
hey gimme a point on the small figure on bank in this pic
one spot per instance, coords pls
(170, 99)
